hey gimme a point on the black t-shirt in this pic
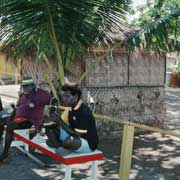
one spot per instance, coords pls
(83, 118)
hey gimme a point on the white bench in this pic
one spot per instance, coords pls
(22, 139)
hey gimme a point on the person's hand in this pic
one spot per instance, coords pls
(12, 105)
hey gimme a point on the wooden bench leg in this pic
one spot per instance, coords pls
(94, 170)
(68, 170)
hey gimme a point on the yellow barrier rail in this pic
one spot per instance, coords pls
(6, 73)
(127, 142)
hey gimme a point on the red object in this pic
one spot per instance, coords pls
(19, 119)
(65, 160)
(174, 80)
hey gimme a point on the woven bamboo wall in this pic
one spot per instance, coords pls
(140, 104)
(37, 70)
(109, 72)
(146, 68)
(129, 87)
(139, 68)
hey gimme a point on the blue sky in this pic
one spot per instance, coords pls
(138, 2)
(135, 4)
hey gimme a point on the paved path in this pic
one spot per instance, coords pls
(9, 90)
(155, 156)
(172, 121)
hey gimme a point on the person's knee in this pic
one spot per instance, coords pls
(53, 138)
(72, 143)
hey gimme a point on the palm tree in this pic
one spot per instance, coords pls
(55, 29)
(159, 26)
(63, 30)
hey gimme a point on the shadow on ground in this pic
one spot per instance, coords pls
(155, 156)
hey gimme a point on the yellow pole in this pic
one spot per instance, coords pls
(126, 152)
(16, 76)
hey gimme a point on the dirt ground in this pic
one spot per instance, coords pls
(155, 156)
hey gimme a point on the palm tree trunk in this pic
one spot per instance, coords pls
(55, 43)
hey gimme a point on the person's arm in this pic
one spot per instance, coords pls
(81, 130)
(56, 121)
(85, 118)
(45, 97)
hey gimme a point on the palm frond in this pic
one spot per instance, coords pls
(66, 28)
(155, 35)
(75, 22)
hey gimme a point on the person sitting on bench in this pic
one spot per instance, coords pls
(28, 112)
(81, 134)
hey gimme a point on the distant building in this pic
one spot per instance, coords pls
(126, 86)
(9, 72)
(171, 61)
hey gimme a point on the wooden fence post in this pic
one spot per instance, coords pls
(126, 152)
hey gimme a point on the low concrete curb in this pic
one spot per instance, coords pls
(10, 91)
(9, 96)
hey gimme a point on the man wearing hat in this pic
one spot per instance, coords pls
(28, 111)
(80, 120)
